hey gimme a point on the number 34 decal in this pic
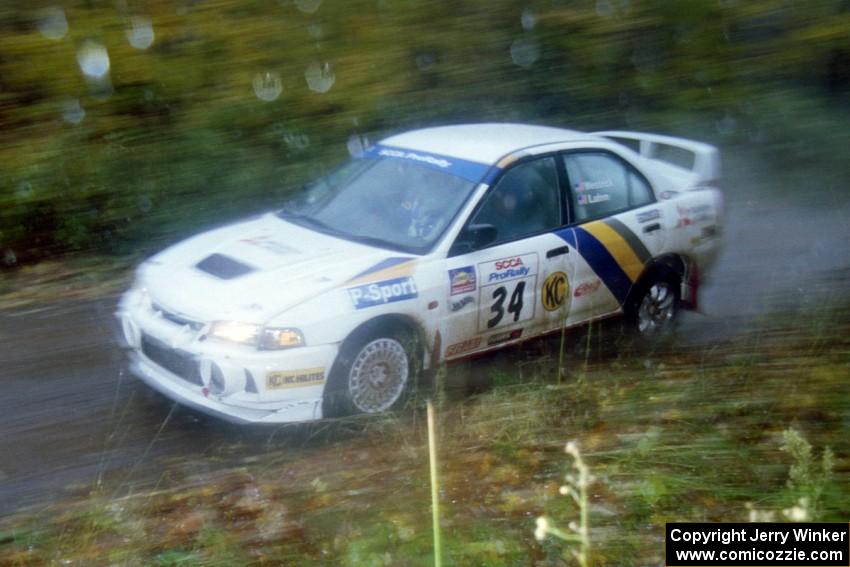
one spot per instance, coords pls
(509, 303)
(514, 305)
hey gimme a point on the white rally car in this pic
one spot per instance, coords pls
(433, 245)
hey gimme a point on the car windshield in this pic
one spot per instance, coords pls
(391, 203)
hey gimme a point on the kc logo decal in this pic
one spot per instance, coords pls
(555, 290)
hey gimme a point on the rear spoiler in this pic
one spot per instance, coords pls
(705, 166)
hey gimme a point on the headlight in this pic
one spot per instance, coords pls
(269, 338)
(235, 332)
(287, 337)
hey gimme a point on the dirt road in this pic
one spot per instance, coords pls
(71, 415)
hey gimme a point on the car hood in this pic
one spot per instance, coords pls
(253, 270)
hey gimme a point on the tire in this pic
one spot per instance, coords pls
(373, 373)
(652, 310)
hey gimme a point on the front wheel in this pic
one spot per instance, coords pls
(653, 309)
(372, 375)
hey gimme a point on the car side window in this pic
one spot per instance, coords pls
(603, 184)
(525, 201)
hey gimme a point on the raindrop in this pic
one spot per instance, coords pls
(316, 31)
(93, 59)
(72, 112)
(320, 77)
(528, 19)
(53, 24)
(148, 95)
(357, 144)
(525, 52)
(140, 33)
(308, 6)
(24, 189)
(145, 204)
(726, 125)
(604, 9)
(296, 141)
(9, 258)
(267, 86)
(424, 61)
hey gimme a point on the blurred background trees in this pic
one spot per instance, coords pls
(127, 124)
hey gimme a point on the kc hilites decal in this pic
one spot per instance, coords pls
(508, 286)
(555, 289)
(294, 378)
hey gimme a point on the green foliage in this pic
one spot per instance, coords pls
(808, 477)
(217, 116)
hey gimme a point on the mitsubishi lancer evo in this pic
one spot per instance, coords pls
(431, 246)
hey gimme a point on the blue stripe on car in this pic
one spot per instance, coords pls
(469, 170)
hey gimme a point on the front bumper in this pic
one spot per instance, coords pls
(231, 382)
(169, 385)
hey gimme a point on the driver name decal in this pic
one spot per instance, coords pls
(380, 293)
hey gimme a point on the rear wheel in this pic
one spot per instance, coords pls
(654, 306)
(373, 374)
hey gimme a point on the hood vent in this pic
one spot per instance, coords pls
(223, 267)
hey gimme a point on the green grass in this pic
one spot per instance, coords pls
(692, 434)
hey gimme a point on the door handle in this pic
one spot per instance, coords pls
(652, 227)
(558, 251)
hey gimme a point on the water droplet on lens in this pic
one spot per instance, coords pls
(9, 258)
(93, 59)
(53, 24)
(424, 61)
(72, 112)
(145, 204)
(24, 189)
(140, 33)
(320, 77)
(727, 125)
(267, 86)
(357, 144)
(316, 31)
(604, 9)
(296, 141)
(308, 6)
(528, 19)
(525, 52)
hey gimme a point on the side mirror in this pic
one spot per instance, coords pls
(474, 237)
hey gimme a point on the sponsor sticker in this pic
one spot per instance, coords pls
(462, 280)
(499, 338)
(461, 303)
(587, 288)
(463, 346)
(509, 268)
(281, 379)
(509, 287)
(555, 290)
(439, 162)
(646, 216)
(380, 293)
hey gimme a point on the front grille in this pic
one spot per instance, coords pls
(178, 362)
(175, 318)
